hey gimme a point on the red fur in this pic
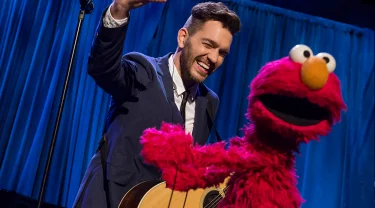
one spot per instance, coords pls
(283, 77)
(262, 163)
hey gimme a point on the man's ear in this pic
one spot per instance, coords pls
(182, 37)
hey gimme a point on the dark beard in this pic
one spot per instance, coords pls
(186, 63)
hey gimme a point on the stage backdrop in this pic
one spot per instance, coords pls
(35, 43)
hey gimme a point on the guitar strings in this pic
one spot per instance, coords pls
(216, 200)
(215, 203)
(175, 178)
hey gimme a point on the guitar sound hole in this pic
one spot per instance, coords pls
(212, 199)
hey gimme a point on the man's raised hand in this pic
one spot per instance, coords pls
(120, 8)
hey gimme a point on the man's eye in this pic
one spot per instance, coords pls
(207, 45)
(223, 54)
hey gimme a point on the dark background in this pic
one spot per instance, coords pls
(360, 13)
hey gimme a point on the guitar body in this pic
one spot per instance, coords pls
(155, 194)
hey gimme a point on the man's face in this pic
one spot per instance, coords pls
(205, 51)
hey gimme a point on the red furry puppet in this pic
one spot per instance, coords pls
(292, 100)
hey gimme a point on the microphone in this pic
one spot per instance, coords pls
(86, 8)
(87, 5)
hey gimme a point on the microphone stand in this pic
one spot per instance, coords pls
(86, 8)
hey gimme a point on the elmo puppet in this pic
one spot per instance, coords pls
(292, 100)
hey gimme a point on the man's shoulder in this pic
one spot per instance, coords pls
(142, 61)
(145, 60)
(138, 57)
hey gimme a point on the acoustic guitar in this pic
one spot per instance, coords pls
(155, 194)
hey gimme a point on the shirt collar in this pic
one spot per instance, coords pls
(178, 85)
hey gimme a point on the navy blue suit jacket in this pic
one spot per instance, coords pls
(141, 89)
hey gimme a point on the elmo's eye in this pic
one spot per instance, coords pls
(329, 59)
(300, 53)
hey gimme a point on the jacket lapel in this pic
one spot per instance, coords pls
(200, 120)
(200, 131)
(168, 87)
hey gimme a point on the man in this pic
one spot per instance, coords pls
(147, 91)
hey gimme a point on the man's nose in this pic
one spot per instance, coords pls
(213, 56)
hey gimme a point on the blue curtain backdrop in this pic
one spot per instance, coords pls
(35, 43)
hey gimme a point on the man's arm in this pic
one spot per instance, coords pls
(114, 74)
(110, 22)
(104, 63)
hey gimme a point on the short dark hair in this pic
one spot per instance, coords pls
(203, 12)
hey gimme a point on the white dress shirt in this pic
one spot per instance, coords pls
(110, 22)
(178, 90)
(178, 86)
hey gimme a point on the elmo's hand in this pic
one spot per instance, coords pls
(168, 147)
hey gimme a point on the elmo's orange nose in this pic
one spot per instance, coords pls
(314, 73)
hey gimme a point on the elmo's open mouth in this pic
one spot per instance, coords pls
(296, 111)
